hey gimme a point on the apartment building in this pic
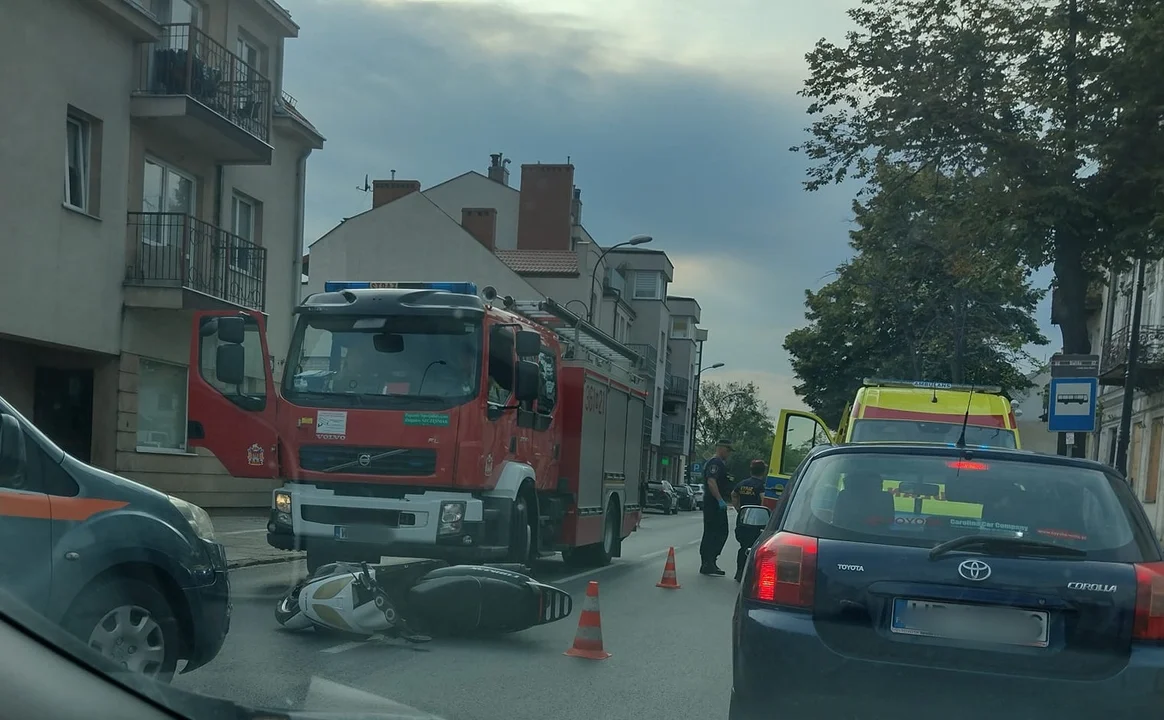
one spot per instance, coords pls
(181, 190)
(1111, 324)
(529, 242)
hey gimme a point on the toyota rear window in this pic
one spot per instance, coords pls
(923, 500)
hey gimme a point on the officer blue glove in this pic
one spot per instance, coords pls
(722, 504)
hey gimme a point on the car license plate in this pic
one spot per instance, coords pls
(976, 623)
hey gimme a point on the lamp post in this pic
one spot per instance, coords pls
(576, 300)
(695, 400)
(636, 240)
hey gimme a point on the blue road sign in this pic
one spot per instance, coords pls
(1072, 404)
(696, 468)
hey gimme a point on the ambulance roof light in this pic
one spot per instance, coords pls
(927, 385)
(461, 288)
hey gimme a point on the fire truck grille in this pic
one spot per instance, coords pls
(368, 460)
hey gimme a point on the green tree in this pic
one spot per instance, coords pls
(1015, 96)
(734, 411)
(928, 295)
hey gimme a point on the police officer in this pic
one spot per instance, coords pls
(748, 492)
(716, 493)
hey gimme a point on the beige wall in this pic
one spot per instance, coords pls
(478, 191)
(59, 54)
(409, 239)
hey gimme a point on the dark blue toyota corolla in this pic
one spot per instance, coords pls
(898, 580)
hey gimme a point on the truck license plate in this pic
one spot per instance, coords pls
(341, 532)
(955, 621)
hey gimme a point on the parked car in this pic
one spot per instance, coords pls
(134, 573)
(697, 494)
(993, 582)
(686, 497)
(661, 495)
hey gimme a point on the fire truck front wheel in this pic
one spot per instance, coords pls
(521, 547)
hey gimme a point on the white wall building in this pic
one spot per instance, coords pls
(181, 189)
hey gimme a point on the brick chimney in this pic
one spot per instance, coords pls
(385, 191)
(547, 196)
(481, 223)
(498, 170)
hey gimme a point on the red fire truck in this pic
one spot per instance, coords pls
(425, 420)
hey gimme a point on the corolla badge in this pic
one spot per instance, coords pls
(975, 570)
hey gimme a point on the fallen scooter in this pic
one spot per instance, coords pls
(417, 600)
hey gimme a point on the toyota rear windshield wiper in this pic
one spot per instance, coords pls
(1003, 545)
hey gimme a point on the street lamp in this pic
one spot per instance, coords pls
(636, 240)
(695, 402)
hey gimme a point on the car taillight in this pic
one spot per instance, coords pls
(784, 570)
(1149, 618)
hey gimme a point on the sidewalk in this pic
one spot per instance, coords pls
(244, 534)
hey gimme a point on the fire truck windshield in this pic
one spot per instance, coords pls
(398, 362)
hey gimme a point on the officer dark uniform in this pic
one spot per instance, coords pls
(715, 519)
(748, 492)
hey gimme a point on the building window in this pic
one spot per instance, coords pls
(244, 225)
(169, 197)
(681, 327)
(77, 149)
(648, 285)
(161, 406)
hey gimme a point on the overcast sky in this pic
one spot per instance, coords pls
(678, 122)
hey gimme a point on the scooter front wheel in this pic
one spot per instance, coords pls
(288, 614)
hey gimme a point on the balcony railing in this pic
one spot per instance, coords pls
(671, 434)
(1150, 368)
(174, 249)
(676, 386)
(649, 355)
(186, 61)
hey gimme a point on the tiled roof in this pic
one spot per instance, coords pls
(560, 263)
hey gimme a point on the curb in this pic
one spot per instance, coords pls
(252, 562)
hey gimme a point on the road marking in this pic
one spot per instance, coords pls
(243, 532)
(650, 555)
(342, 647)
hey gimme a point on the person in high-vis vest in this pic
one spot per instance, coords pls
(748, 492)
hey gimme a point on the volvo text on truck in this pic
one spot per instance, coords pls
(425, 420)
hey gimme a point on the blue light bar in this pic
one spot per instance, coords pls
(461, 288)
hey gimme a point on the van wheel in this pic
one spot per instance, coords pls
(131, 623)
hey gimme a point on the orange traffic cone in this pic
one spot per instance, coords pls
(588, 639)
(669, 580)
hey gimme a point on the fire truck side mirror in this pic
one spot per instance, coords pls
(231, 330)
(529, 343)
(529, 377)
(230, 364)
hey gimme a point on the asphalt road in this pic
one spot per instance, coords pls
(671, 648)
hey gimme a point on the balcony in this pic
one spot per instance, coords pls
(192, 87)
(649, 356)
(179, 262)
(1149, 370)
(671, 436)
(675, 388)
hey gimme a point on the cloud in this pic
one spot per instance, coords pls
(678, 123)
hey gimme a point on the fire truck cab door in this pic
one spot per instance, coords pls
(233, 416)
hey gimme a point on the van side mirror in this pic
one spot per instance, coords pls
(529, 343)
(528, 381)
(230, 364)
(12, 452)
(756, 516)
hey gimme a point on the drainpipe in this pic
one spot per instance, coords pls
(219, 174)
(300, 211)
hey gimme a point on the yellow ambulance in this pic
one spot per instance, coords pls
(896, 411)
